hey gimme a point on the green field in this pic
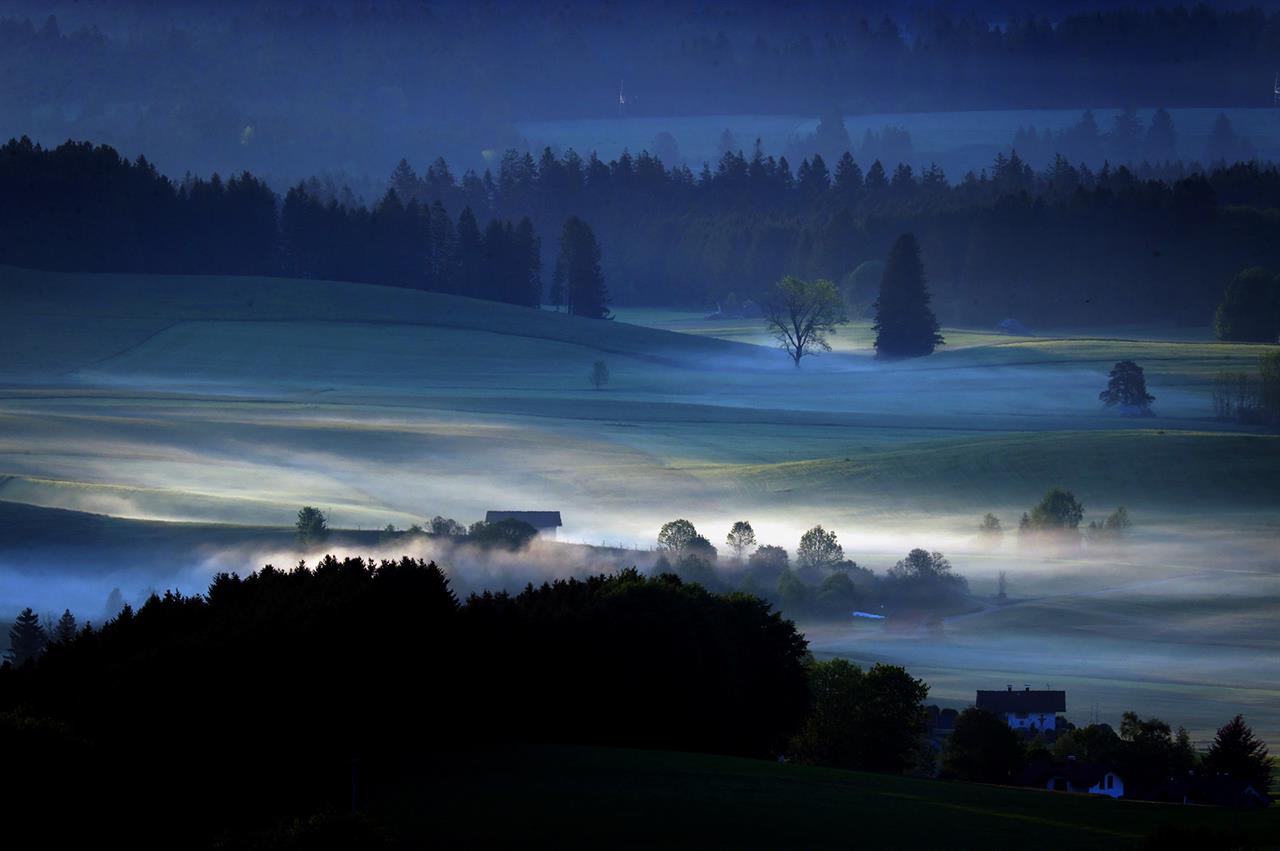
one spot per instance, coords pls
(232, 402)
(580, 797)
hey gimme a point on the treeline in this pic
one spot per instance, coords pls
(820, 583)
(84, 208)
(1128, 142)
(1066, 244)
(683, 60)
(267, 695)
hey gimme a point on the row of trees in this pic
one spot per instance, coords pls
(1055, 520)
(84, 208)
(822, 584)
(1104, 246)
(1145, 752)
(1127, 142)
(870, 58)
(603, 660)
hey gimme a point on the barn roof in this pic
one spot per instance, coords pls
(1025, 701)
(536, 519)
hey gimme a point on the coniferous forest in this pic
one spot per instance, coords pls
(1066, 243)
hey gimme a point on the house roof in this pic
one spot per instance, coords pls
(536, 519)
(1026, 701)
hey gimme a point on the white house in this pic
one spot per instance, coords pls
(1028, 710)
(1073, 776)
(1110, 785)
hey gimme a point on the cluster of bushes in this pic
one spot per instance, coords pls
(1055, 521)
(1251, 399)
(821, 584)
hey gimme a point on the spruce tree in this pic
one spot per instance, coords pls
(27, 638)
(557, 294)
(580, 256)
(527, 258)
(1236, 752)
(469, 249)
(442, 273)
(65, 630)
(905, 325)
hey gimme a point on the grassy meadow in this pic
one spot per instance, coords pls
(203, 409)
(630, 798)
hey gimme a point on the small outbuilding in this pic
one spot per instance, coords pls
(545, 522)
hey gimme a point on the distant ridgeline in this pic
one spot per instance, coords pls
(1065, 245)
(414, 65)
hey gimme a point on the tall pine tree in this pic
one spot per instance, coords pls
(27, 637)
(905, 325)
(469, 249)
(1237, 752)
(580, 259)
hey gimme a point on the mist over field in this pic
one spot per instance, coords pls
(413, 413)
(240, 421)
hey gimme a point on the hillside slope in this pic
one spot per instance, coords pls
(596, 797)
(54, 323)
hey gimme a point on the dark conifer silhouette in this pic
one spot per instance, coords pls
(580, 259)
(65, 630)
(27, 638)
(905, 325)
(1236, 752)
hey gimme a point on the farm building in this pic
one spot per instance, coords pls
(1073, 775)
(1027, 710)
(545, 522)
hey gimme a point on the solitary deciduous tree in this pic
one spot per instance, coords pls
(990, 526)
(905, 325)
(311, 526)
(819, 548)
(599, 376)
(1250, 308)
(1127, 389)
(741, 538)
(801, 314)
(1059, 510)
(446, 526)
(677, 536)
(26, 637)
(982, 748)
